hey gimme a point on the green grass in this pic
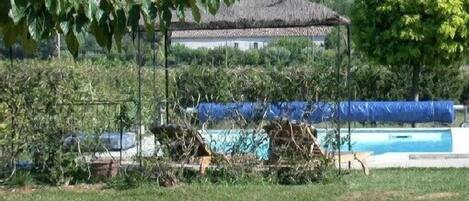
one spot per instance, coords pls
(390, 184)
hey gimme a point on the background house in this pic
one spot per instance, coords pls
(245, 39)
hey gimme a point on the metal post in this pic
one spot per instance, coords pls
(157, 109)
(121, 130)
(11, 57)
(139, 63)
(13, 124)
(226, 53)
(166, 73)
(59, 47)
(154, 65)
(349, 91)
(339, 58)
(465, 113)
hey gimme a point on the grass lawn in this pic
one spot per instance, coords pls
(389, 184)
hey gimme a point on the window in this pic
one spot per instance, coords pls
(256, 46)
(236, 45)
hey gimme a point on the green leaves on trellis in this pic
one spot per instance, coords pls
(72, 43)
(120, 26)
(29, 21)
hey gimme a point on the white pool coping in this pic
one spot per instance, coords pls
(460, 137)
(345, 130)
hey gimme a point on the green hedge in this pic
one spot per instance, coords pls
(306, 83)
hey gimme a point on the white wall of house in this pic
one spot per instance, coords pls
(241, 43)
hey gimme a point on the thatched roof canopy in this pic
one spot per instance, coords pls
(263, 14)
(249, 33)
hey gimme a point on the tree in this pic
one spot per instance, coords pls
(31, 21)
(413, 34)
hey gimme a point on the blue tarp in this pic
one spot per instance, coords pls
(112, 140)
(401, 112)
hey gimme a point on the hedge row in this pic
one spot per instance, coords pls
(190, 85)
(305, 83)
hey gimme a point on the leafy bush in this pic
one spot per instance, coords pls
(465, 93)
(127, 179)
(36, 97)
(21, 178)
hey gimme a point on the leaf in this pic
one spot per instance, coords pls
(40, 26)
(134, 17)
(18, 10)
(195, 11)
(180, 8)
(93, 8)
(98, 34)
(9, 34)
(120, 25)
(4, 9)
(165, 18)
(213, 6)
(229, 2)
(64, 26)
(72, 44)
(28, 44)
(53, 6)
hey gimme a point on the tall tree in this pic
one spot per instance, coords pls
(415, 34)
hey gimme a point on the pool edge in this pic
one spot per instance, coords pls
(460, 138)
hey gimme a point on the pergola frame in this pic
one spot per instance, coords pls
(220, 21)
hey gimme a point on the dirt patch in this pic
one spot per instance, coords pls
(80, 188)
(72, 188)
(6, 191)
(437, 196)
(374, 195)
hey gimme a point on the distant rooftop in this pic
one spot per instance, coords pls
(247, 33)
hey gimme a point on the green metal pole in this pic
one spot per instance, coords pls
(166, 73)
(139, 63)
(339, 59)
(349, 91)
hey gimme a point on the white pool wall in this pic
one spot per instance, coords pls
(460, 137)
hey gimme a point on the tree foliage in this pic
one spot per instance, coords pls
(415, 34)
(30, 21)
(422, 32)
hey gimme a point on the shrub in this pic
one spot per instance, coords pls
(20, 178)
(308, 172)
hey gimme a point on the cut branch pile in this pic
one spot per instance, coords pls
(290, 141)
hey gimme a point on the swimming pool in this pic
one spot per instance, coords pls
(376, 140)
(385, 140)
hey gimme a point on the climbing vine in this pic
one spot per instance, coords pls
(30, 21)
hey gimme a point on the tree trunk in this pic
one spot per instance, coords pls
(415, 85)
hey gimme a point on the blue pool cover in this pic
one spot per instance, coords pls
(401, 112)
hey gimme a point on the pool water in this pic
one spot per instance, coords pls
(377, 141)
(380, 141)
